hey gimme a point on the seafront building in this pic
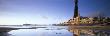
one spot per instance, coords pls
(77, 19)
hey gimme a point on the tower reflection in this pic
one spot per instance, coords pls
(89, 32)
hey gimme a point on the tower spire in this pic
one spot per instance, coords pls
(76, 9)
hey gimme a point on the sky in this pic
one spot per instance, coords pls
(14, 12)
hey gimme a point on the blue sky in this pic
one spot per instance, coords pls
(47, 11)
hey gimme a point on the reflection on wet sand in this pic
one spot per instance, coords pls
(75, 31)
(89, 32)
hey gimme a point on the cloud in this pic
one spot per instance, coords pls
(45, 17)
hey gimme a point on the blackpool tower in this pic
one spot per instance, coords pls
(76, 16)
